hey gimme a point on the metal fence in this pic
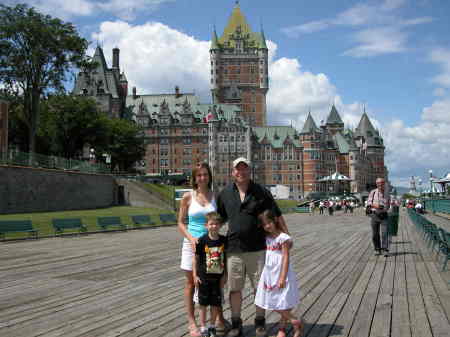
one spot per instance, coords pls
(438, 205)
(17, 158)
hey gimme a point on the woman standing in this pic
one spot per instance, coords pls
(193, 207)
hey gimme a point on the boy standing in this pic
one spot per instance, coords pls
(209, 271)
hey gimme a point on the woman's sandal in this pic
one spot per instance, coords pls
(298, 327)
(281, 332)
(194, 331)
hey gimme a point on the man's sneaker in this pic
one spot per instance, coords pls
(386, 252)
(212, 332)
(260, 327)
(377, 252)
(236, 327)
(205, 332)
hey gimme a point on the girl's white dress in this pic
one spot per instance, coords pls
(268, 295)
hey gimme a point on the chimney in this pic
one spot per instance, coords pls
(116, 52)
(134, 92)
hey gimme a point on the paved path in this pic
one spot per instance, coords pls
(129, 284)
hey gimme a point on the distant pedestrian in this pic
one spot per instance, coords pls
(311, 208)
(330, 207)
(321, 206)
(378, 204)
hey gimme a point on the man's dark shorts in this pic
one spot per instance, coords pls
(209, 293)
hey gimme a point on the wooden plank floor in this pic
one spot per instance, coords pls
(129, 284)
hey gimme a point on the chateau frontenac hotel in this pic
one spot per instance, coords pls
(181, 131)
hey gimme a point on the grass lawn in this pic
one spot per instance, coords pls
(43, 221)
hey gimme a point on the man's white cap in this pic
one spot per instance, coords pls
(241, 160)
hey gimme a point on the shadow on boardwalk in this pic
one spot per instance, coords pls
(129, 284)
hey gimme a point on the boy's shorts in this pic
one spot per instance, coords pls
(210, 293)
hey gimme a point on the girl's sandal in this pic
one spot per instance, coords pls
(194, 331)
(298, 327)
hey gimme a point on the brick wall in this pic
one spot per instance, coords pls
(38, 190)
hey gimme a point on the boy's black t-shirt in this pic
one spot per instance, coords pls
(211, 257)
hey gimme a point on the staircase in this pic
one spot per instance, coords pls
(138, 196)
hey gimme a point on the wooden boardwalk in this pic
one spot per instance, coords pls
(129, 284)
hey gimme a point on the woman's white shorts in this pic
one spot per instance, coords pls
(186, 255)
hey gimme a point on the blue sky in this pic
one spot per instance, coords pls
(391, 56)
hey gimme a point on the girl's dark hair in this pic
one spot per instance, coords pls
(195, 172)
(268, 215)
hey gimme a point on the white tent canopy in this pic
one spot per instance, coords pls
(336, 176)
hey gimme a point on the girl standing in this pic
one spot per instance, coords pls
(278, 288)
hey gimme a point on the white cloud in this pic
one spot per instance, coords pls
(128, 9)
(392, 4)
(310, 27)
(378, 41)
(413, 150)
(156, 57)
(441, 57)
(123, 9)
(385, 33)
(439, 92)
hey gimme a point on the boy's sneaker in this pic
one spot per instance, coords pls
(260, 327)
(236, 327)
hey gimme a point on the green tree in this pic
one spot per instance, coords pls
(69, 122)
(37, 54)
(125, 144)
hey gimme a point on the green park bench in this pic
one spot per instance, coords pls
(142, 220)
(71, 223)
(168, 218)
(303, 209)
(110, 221)
(17, 226)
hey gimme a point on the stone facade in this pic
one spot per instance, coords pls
(108, 86)
(25, 190)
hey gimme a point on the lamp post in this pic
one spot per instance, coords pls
(420, 186)
(431, 182)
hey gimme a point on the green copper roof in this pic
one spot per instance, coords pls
(277, 135)
(342, 144)
(215, 41)
(333, 117)
(263, 44)
(238, 27)
(309, 126)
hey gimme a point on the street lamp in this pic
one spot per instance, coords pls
(431, 182)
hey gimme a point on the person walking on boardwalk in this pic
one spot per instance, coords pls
(209, 272)
(240, 203)
(312, 207)
(378, 204)
(321, 206)
(277, 287)
(194, 206)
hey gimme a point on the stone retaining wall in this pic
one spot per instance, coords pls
(25, 190)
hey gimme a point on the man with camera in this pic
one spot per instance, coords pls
(378, 205)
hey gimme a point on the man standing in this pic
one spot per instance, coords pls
(240, 203)
(379, 204)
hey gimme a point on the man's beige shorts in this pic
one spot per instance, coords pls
(241, 264)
